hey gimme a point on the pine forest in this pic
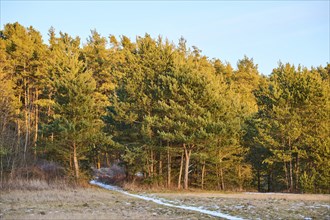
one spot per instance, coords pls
(163, 112)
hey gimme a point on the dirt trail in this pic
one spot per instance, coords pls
(168, 203)
(259, 205)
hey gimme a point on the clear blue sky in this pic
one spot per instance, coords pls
(267, 31)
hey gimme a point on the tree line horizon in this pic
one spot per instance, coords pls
(163, 110)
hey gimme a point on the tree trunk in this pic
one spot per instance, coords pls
(152, 162)
(160, 171)
(149, 169)
(269, 181)
(180, 173)
(258, 177)
(1, 172)
(26, 117)
(18, 145)
(48, 116)
(297, 173)
(286, 175)
(70, 161)
(218, 176)
(222, 179)
(98, 161)
(221, 170)
(35, 138)
(203, 174)
(240, 178)
(291, 175)
(168, 168)
(107, 159)
(186, 173)
(75, 160)
(12, 169)
(291, 168)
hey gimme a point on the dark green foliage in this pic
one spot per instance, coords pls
(292, 125)
(163, 111)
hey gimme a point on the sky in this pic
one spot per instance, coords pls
(267, 31)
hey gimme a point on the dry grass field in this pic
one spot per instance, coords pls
(98, 203)
(259, 205)
(90, 203)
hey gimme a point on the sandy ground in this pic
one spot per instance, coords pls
(259, 205)
(97, 203)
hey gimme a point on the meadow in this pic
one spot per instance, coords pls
(96, 203)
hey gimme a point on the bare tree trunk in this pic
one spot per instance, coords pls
(290, 167)
(297, 173)
(1, 172)
(258, 176)
(98, 161)
(286, 175)
(240, 178)
(221, 169)
(29, 118)
(18, 145)
(222, 179)
(48, 115)
(152, 162)
(12, 169)
(218, 176)
(168, 168)
(180, 173)
(203, 174)
(291, 175)
(35, 138)
(26, 114)
(186, 173)
(160, 171)
(269, 180)
(107, 159)
(149, 169)
(75, 161)
(70, 161)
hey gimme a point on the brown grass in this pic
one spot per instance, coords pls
(37, 199)
(259, 205)
(36, 184)
(84, 203)
(250, 196)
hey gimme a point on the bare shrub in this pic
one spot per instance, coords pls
(38, 184)
(51, 170)
(41, 176)
(30, 172)
(142, 187)
(23, 184)
(113, 175)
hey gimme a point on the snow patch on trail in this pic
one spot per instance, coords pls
(165, 202)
